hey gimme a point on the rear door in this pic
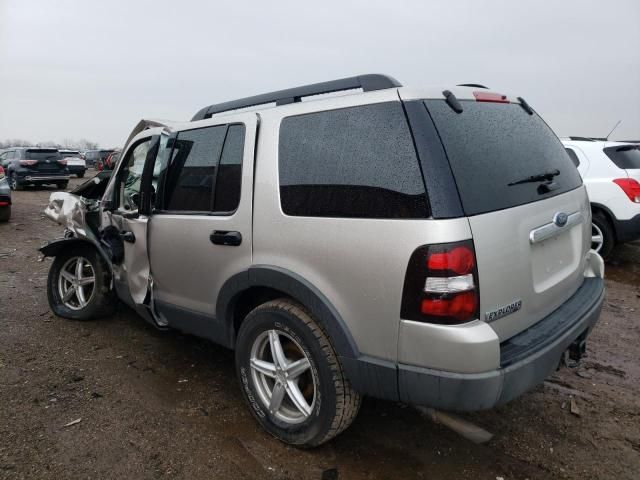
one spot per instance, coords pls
(531, 232)
(200, 233)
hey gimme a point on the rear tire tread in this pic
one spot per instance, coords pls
(347, 399)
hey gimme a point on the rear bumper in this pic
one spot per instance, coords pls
(627, 230)
(5, 191)
(525, 360)
(76, 169)
(44, 178)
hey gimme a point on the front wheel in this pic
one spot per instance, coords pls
(78, 286)
(291, 377)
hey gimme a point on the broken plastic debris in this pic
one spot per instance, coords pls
(73, 422)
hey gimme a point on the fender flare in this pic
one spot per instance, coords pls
(55, 247)
(296, 287)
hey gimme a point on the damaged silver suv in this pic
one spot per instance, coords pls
(416, 245)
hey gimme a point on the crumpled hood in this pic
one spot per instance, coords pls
(70, 211)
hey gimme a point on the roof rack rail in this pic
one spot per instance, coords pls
(582, 139)
(476, 85)
(367, 83)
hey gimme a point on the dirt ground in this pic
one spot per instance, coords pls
(154, 404)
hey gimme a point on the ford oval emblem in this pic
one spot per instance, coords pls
(560, 219)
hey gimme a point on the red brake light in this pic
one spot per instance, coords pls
(1, 172)
(490, 97)
(25, 163)
(460, 260)
(630, 187)
(461, 306)
(441, 284)
(62, 161)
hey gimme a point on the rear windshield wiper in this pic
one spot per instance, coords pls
(541, 177)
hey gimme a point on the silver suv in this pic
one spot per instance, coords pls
(415, 245)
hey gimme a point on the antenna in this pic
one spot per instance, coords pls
(616, 126)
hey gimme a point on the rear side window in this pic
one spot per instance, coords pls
(573, 157)
(205, 170)
(353, 162)
(491, 146)
(626, 156)
(228, 182)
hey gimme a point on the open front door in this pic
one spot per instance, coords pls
(131, 196)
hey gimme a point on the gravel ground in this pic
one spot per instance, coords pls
(150, 404)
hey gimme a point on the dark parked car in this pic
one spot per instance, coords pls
(76, 164)
(5, 197)
(93, 157)
(34, 166)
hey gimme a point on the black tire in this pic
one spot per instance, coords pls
(600, 220)
(62, 185)
(336, 404)
(14, 183)
(5, 213)
(81, 175)
(102, 302)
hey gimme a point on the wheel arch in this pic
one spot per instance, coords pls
(55, 247)
(597, 207)
(246, 290)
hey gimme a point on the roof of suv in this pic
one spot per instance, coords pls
(361, 84)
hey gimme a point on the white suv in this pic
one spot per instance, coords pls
(611, 173)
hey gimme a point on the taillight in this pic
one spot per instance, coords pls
(630, 187)
(62, 161)
(490, 97)
(1, 172)
(26, 163)
(441, 284)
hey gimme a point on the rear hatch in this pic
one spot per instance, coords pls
(626, 157)
(517, 185)
(44, 161)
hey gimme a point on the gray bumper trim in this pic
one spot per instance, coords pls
(479, 391)
(41, 178)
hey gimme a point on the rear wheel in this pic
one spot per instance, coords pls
(62, 185)
(78, 286)
(81, 175)
(291, 377)
(5, 213)
(602, 236)
(14, 183)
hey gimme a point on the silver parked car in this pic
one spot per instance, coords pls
(411, 244)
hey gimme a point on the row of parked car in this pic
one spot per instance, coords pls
(22, 166)
(425, 245)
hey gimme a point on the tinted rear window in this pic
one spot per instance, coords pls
(41, 154)
(353, 162)
(490, 145)
(627, 156)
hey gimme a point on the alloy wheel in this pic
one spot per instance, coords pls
(282, 374)
(76, 283)
(597, 238)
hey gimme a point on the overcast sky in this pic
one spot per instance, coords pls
(73, 69)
